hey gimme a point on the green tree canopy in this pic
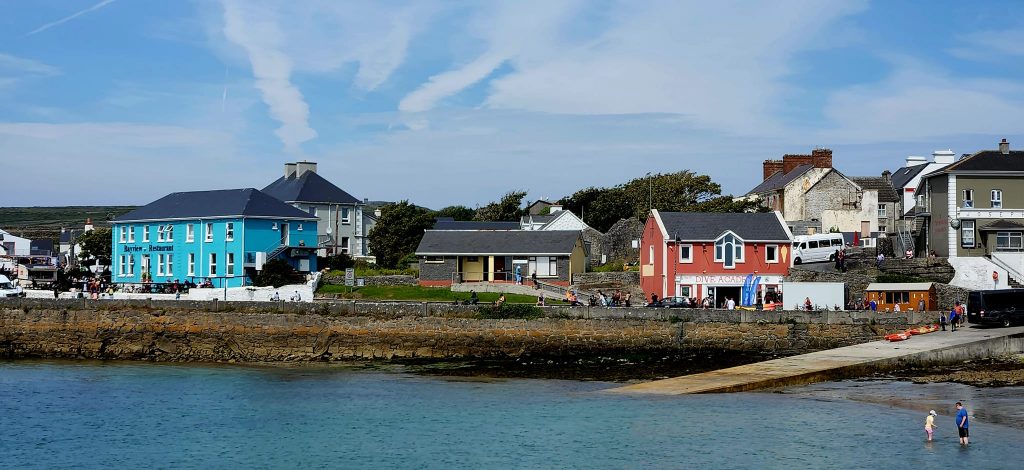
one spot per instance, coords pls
(398, 232)
(509, 208)
(96, 244)
(456, 212)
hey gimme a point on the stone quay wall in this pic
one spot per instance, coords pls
(386, 280)
(275, 332)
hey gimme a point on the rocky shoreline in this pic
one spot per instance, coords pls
(1005, 371)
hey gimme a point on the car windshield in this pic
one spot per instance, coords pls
(6, 285)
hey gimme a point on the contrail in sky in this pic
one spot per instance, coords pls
(71, 17)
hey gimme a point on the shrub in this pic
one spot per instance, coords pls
(338, 262)
(275, 273)
(612, 267)
(505, 311)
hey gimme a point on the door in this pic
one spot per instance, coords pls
(865, 229)
(145, 263)
(284, 234)
(304, 265)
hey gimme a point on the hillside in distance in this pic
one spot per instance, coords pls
(46, 222)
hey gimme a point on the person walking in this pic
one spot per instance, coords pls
(730, 304)
(942, 321)
(962, 423)
(952, 319)
(536, 285)
(961, 314)
(929, 424)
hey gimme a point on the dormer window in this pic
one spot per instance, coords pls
(729, 250)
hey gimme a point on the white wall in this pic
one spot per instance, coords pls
(823, 294)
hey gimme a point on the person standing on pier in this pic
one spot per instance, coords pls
(962, 423)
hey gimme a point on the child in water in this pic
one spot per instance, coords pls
(929, 424)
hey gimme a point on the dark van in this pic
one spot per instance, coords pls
(996, 307)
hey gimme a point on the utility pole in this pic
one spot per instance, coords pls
(650, 192)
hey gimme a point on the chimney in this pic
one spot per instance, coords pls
(1004, 147)
(554, 208)
(944, 157)
(771, 167)
(88, 224)
(821, 158)
(289, 170)
(303, 167)
(790, 162)
(887, 175)
(914, 160)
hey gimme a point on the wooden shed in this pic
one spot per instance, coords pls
(908, 295)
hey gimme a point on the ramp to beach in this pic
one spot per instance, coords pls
(940, 347)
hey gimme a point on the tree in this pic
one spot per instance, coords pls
(96, 244)
(509, 208)
(456, 212)
(398, 232)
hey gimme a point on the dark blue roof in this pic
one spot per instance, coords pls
(700, 226)
(310, 187)
(448, 223)
(246, 202)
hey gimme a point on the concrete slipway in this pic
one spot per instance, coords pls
(851, 361)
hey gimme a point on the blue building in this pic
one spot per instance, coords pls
(223, 235)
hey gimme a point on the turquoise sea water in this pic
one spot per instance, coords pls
(128, 415)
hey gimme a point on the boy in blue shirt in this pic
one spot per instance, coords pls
(962, 423)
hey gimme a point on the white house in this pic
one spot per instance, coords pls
(11, 245)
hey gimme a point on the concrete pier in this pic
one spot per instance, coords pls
(939, 347)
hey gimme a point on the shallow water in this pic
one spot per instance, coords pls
(92, 415)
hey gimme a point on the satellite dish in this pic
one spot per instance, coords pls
(954, 223)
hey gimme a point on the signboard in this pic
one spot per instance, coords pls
(724, 279)
(360, 282)
(350, 277)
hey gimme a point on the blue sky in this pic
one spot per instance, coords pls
(123, 101)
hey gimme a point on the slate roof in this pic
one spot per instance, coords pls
(990, 160)
(497, 242)
(1002, 224)
(246, 202)
(69, 236)
(41, 247)
(448, 223)
(886, 193)
(310, 187)
(707, 226)
(903, 175)
(778, 180)
(898, 286)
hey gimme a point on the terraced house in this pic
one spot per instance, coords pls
(225, 236)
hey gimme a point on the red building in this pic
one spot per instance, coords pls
(702, 254)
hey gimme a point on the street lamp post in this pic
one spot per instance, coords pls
(650, 191)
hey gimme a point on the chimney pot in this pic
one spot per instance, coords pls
(289, 170)
(1004, 147)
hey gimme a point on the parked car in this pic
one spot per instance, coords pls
(9, 289)
(816, 248)
(996, 307)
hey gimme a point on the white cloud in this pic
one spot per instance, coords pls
(256, 31)
(991, 45)
(70, 17)
(11, 64)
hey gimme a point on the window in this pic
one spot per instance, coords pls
(121, 269)
(344, 245)
(344, 215)
(771, 253)
(882, 211)
(897, 297)
(543, 266)
(729, 250)
(684, 291)
(312, 211)
(146, 265)
(997, 198)
(650, 257)
(1009, 241)
(145, 233)
(472, 259)
(213, 264)
(685, 253)
(160, 265)
(168, 269)
(433, 259)
(229, 231)
(131, 234)
(169, 233)
(552, 266)
(131, 265)
(209, 231)
(124, 234)
(813, 243)
(967, 234)
(968, 198)
(190, 233)
(230, 262)
(159, 233)
(191, 264)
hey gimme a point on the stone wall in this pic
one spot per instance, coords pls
(258, 332)
(930, 269)
(610, 281)
(441, 272)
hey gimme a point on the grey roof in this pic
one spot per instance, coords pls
(41, 247)
(898, 286)
(310, 187)
(539, 219)
(695, 226)
(69, 236)
(778, 180)
(448, 223)
(903, 175)
(886, 193)
(246, 202)
(990, 160)
(1002, 224)
(497, 242)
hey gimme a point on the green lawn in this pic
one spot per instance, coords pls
(424, 294)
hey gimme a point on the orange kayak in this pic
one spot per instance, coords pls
(897, 337)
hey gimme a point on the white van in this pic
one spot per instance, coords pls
(816, 248)
(8, 289)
